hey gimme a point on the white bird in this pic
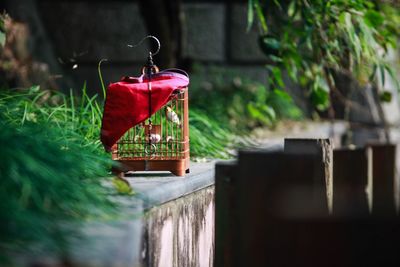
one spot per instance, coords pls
(172, 116)
(154, 138)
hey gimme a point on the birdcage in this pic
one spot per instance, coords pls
(160, 143)
(146, 121)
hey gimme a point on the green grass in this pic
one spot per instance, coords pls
(207, 137)
(77, 118)
(50, 171)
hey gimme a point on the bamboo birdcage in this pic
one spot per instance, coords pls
(157, 144)
(161, 142)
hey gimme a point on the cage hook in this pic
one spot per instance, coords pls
(150, 52)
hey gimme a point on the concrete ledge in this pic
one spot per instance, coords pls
(168, 215)
(156, 188)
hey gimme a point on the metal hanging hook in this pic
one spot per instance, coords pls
(141, 41)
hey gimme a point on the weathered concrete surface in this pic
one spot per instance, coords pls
(177, 226)
(156, 188)
(181, 232)
(105, 243)
(392, 109)
(109, 244)
(169, 222)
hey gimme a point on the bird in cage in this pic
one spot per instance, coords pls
(154, 138)
(172, 116)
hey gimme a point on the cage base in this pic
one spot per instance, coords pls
(177, 167)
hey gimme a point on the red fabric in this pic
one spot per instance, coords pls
(127, 102)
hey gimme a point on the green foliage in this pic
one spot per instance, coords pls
(122, 186)
(282, 104)
(50, 170)
(237, 104)
(78, 118)
(224, 108)
(385, 96)
(48, 186)
(208, 138)
(311, 40)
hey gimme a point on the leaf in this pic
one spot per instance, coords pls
(292, 9)
(385, 96)
(278, 4)
(122, 186)
(275, 59)
(392, 75)
(2, 32)
(320, 98)
(269, 44)
(282, 94)
(282, 103)
(34, 89)
(261, 113)
(291, 69)
(269, 111)
(250, 15)
(277, 76)
(342, 17)
(2, 39)
(351, 34)
(373, 18)
(382, 71)
(260, 16)
(372, 76)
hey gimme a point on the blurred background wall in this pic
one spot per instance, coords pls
(73, 36)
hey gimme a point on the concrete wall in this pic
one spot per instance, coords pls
(176, 233)
(392, 109)
(168, 222)
(181, 232)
